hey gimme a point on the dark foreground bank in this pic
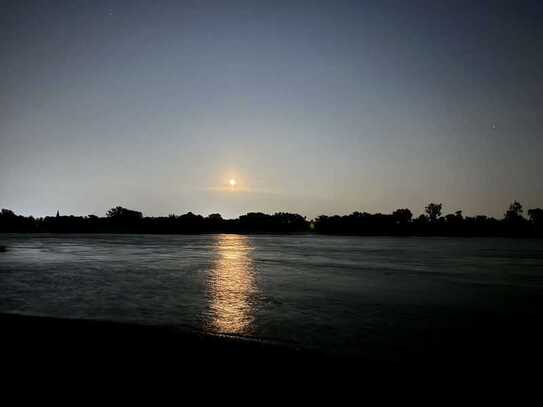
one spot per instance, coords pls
(31, 342)
(112, 342)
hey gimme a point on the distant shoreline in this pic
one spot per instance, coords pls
(399, 223)
(113, 233)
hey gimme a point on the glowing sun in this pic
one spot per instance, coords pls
(232, 182)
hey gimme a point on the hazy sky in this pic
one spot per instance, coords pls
(313, 107)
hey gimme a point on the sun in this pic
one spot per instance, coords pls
(232, 182)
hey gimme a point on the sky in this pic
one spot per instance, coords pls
(313, 107)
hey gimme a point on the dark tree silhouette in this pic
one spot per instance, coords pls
(514, 213)
(10, 222)
(122, 213)
(434, 211)
(536, 215)
(6, 213)
(402, 216)
(455, 218)
(215, 217)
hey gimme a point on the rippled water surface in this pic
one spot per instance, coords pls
(333, 293)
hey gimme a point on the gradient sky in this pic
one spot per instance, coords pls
(314, 107)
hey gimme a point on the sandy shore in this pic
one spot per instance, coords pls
(86, 334)
(32, 342)
(40, 341)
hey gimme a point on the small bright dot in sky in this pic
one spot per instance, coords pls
(232, 182)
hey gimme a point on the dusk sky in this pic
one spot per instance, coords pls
(314, 107)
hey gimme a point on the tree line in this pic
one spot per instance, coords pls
(400, 222)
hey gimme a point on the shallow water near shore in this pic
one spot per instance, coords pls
(340, 295)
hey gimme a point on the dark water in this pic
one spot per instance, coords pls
(338, 294)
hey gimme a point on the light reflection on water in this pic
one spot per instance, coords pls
(341, 293)
(232, 286)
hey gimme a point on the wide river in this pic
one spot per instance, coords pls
(338, 294)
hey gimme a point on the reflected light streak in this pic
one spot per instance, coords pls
(232, 286)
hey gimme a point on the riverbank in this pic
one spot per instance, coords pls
(28, 332)
(86, 344)
(82, 344)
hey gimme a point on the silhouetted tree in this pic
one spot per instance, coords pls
(422, 219)
(514, 212)
(455, 218)
(289, 222)
(215, 223)
(7, 213)
(402, 216)
(254, 222)
(10, 222)
(124, 220)
(536, 217)
(450, 218)
(122, 213)
(434, 211)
